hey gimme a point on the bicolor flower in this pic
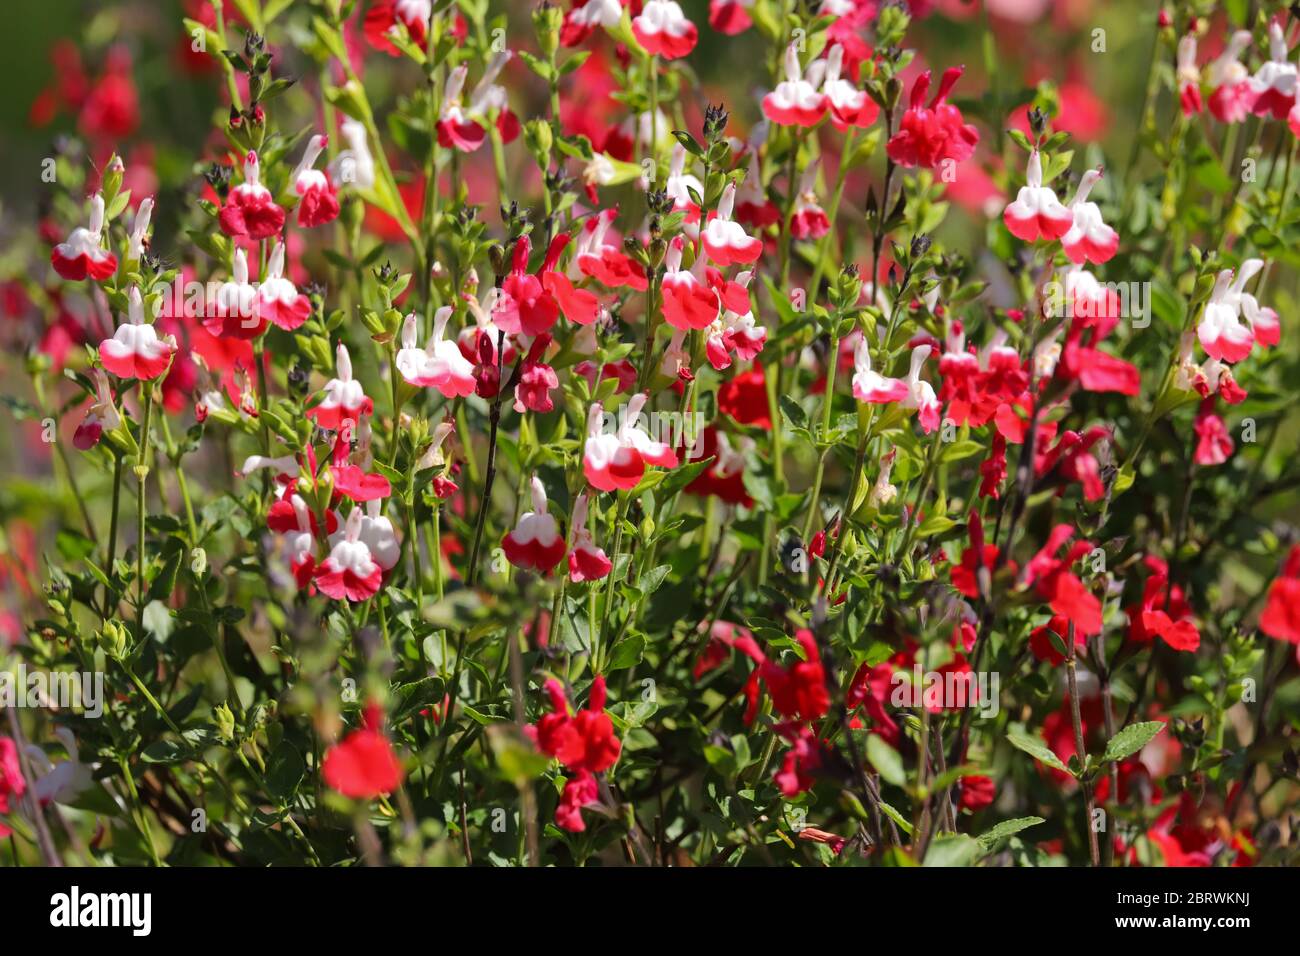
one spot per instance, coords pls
(355, 165)
(1089, 238)
(1263, 320)
(587, 562)
(278, 299)
(663, 30)
(869, 385)
(679, 186)
(440, 364)
(735, 331)
(725, 240)
(1188, 76)
(1220, 330)
(234, 311)
(299, 537)
(83, 254)
(350, 572)
(1274, 83)
(585, 16)
(617, 461)
(135, 350)
(1036, 213)
(318, 200)
(102, 414)
(384, 16)
(849, 106)
(250, 210)
(808, 220)
(344, 400)
(730, 17)
(796, 101)
(920, 393)
(1232, 97)
(535, 543)
(929, 136)
(140, 230)
(604, 261)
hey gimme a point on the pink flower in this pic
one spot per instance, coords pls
(920, 393)
(1189, 76)
(1220, 330)
(440, 364)
(1233, 97)
(535, 543)
(135, 350)
(250, 210)
(536, 379)
(730, 17)
(688, 302)
(1213, 443)
(83, 254)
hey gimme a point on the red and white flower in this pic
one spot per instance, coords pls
(617, 461)
(586, 15)
(849, 106)
(586, 561)
(920, 393)
(1036, 213)
(472, 337)
(730, 17)
(604, 261)
(1263, 320)
(535, 543)
(250, 209)
(679, 186)
(725, 240)
(796, 101)
(350, 572)
(378, 535)
(345, 399)
(278, 299)
(234, 311)
(1220, 330)
(355, 165)
(735, 331)
(83, 254)
(135, 350)
(1188, 76)
(1233, 96)
(102, 414)
(1089, 238)
(384, 16)
(808, 220)
(663, 30)
(140, 230)
(869, 385)
(300, 542)
(440, 364)
(318, 199)
(1274, 84)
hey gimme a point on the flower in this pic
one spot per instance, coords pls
(12, 782)
(102, 414)
(1089, 239)
(1036, 213)
(744, 399)
(278, 299)
(1233, 96)
(1281, 616)
(1220, 330)
(688, 301)
(135, 350)
(83, 254)
(1213, 444)
(869, 385)
(440, 365)
(849, 106)
(1188, 76)
(808, 219)
(356, 164)
(344, 397)
(726, 241)
(931, 136)
(234, 311)
(663, 30)
(535, 543)
(920, 394)
(384, 16)
(730, 17)
(536, 379)
(525, 305)
(1273, 86)
(1057, 584)
(796, 101)
(586, 561)
(350, 572)
(318, 199)
(798, 692)
(734, 331)
(250, 210)
(363, 765)
(1042, 646)
(617, 462)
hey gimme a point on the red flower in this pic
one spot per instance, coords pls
(1281, 617)
(929, 136)
(798, 692)
(1042, 646)
(584, 742)
(363, 765)
(744, 398)
(1213, 443)
(976, 793)
(12, 783)
(250, 210)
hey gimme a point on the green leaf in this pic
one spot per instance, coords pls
(284, 771)
(886, 760)
(1005, 829)
(954, 850)
(1035, 747)
(416, 696)
(627, 653)
(1131, 739)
